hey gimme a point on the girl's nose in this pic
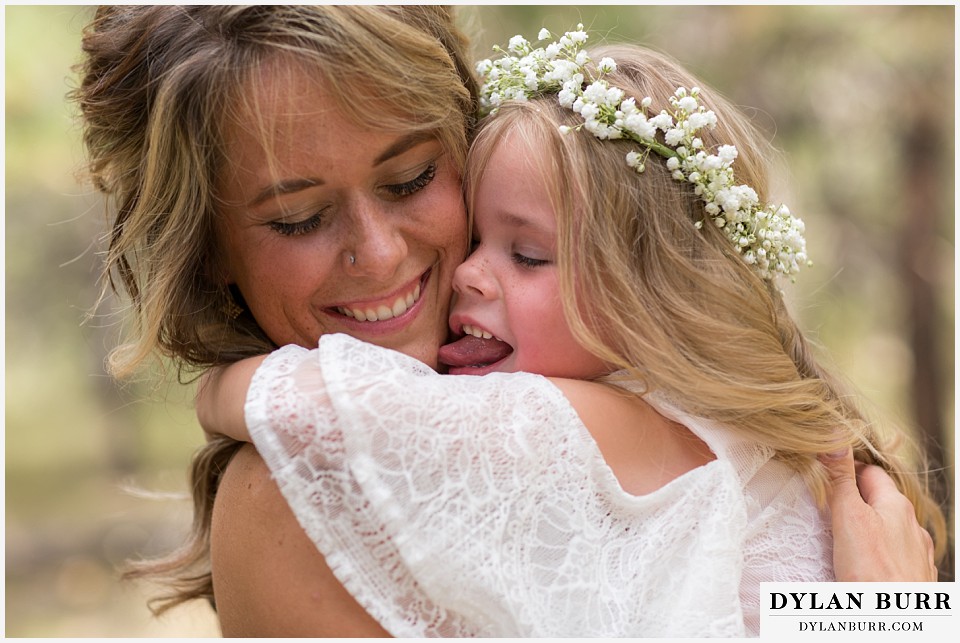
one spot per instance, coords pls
(473, 277)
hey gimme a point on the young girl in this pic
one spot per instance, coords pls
(656, 460)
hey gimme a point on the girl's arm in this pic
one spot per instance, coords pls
(221, 397)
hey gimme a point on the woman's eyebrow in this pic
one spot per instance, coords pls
(283, 187)
(290, 186)
(401, 145)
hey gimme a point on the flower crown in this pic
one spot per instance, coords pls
(770, 238)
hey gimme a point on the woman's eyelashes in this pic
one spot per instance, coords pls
(416, 184)
(296, 228)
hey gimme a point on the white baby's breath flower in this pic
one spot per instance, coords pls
(709, 162)
(639, 125)
(697, 121)
(600, 130)
(662, 121)
(688, 104)
(589, 111)
(579, 36)
(596, 92)
(607, 65)
(531, 81)
(727, 154)
(544, 34)
(613, 96)
(674, 136)
(518, 44)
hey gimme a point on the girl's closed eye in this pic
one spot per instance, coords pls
(414, 185)
(528, 262)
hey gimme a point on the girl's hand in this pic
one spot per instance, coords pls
(876, 535)
(221, 396)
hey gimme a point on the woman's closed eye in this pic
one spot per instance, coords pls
(414, 185)
(297, 228)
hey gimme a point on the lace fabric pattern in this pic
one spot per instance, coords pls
(461, 506)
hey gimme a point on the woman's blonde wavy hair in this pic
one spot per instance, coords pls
(159, 89)
(676, 306)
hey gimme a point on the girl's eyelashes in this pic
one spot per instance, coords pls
(415, 185)
(528, 262)
(517, 258)
(296, 228)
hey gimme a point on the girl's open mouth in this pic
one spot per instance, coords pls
(474, 353)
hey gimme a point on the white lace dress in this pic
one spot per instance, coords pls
(481, 506)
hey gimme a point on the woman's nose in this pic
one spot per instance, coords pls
(377, 245)
(473, 277)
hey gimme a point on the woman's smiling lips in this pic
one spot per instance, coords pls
(370, 315)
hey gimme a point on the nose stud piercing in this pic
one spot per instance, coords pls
(353, 260)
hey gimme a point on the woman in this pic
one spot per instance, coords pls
(299, 165)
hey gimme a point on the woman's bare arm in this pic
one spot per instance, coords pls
(269, 579)
(876, 536)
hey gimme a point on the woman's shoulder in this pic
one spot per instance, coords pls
(270, 578)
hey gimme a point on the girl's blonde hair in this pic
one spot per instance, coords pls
(160, 89)
(676, 306)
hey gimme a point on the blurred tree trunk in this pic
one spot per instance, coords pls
(923, 154)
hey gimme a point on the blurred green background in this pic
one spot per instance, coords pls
(859, 98)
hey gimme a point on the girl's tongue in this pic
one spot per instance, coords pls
(473, 351)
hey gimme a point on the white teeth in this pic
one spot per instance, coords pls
(476, 332)
(382, 312)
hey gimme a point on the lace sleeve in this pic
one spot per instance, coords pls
(390, 468)
(788, 538)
